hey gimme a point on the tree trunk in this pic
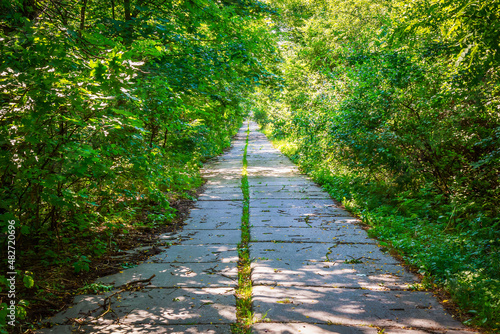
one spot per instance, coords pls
(126, 5)
(82, 17)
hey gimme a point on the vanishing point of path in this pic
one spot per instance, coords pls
(314, 269)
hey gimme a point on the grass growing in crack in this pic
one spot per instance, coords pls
(244, 313)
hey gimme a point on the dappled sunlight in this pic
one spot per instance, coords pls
(197, 253)
(223, 183)
(157, 329)
(327, 274)
(311, 328)
(313, 263)
(177, 274)
(296, 212)
(348, 306)
(224, 176)
(225, 172)
(161, 306)
(310, 234)
(214, 196)
(293, 203)
(270, 171)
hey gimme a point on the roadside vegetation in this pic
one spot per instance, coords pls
(107, 110)
(393, 106)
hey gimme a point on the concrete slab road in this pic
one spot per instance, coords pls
(314, 269)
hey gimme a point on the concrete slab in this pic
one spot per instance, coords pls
(334, 275)
(210, 192)
(310, 234)
(62, 329)
(222, 188)
(305, 328)
(269, 161)
(157, 306)
(216, 214)
(310, 187)
(216, 196)
(139, 329)
(288, 195)
(302, 253)
(197, 254)
(293, 203)
(234, 182)
(259, 144)
(230, 155)
(259, 149)
(278, 181)
(214, 222)
(235, 154)
(223, 163)
(203, 237)
(261, 161)
(218, 205)
(297, 212)
(221, 177)
(281, 172)
(169, 275)
(304, 221)
(224, 166)
(221, 173)
(352, 307)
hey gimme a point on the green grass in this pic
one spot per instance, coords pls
(244, 313)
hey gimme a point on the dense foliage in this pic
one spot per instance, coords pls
(394, 107)
(107, 110)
